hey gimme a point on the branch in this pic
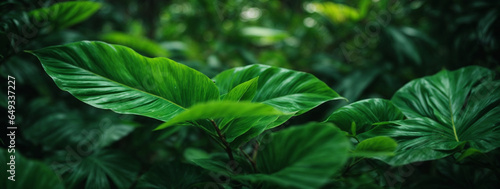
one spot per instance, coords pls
(223, 140)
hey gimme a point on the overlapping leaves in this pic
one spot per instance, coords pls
(117, 78)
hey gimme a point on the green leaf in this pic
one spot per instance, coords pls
(445, 111)
(103, 169)
(222, 109)
(138, 43)
(172, 176)
(467, 153)
(28, 173)
(98, 128)
(300, 157)
(337, 13)
(243, 91)
(364, 114)
(65, 14)
(117, 78)
(286, 90)
(375, 147)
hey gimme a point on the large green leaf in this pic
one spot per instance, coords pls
(117, 78)
(445, 111)
(286, 90)
(222, 109)
(65, 14)
(300, 157)
(28, 173)
(104, 169)
(364, 114)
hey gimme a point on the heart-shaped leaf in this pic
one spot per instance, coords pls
(117, 78)
(364, 114)
(445, 111)
(300, 157)
(286, 90)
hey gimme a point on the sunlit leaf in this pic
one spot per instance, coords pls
(138, 43)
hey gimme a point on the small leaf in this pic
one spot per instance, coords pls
(353, 128)
(244, 91)
(467, 153)
(375, 147)
(138, 43)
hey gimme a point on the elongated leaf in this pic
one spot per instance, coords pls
(104, 169)
(117, 78)
(365, 113)
(28, 173)
(445, 111)
(65, 14)
(286, 90)
(222, 109)
(375, 147)
(300, 157)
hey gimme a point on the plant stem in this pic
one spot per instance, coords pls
(249, 159)
(222, 138)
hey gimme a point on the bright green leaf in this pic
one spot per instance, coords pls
(222, 109)
(244, 91)
(117, 78)
(65, 14)
(286, 90)
(300, 157)
(375, 147)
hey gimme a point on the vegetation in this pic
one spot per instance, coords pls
(258, 94)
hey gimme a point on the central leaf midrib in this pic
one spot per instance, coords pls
(451, 111)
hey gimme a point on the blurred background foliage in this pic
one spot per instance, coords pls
(361, 48)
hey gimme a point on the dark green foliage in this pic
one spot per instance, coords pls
(252, 94)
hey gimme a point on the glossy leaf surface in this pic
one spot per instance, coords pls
(286, 90)
(445, 111)
(364, 114)
(117, 78)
